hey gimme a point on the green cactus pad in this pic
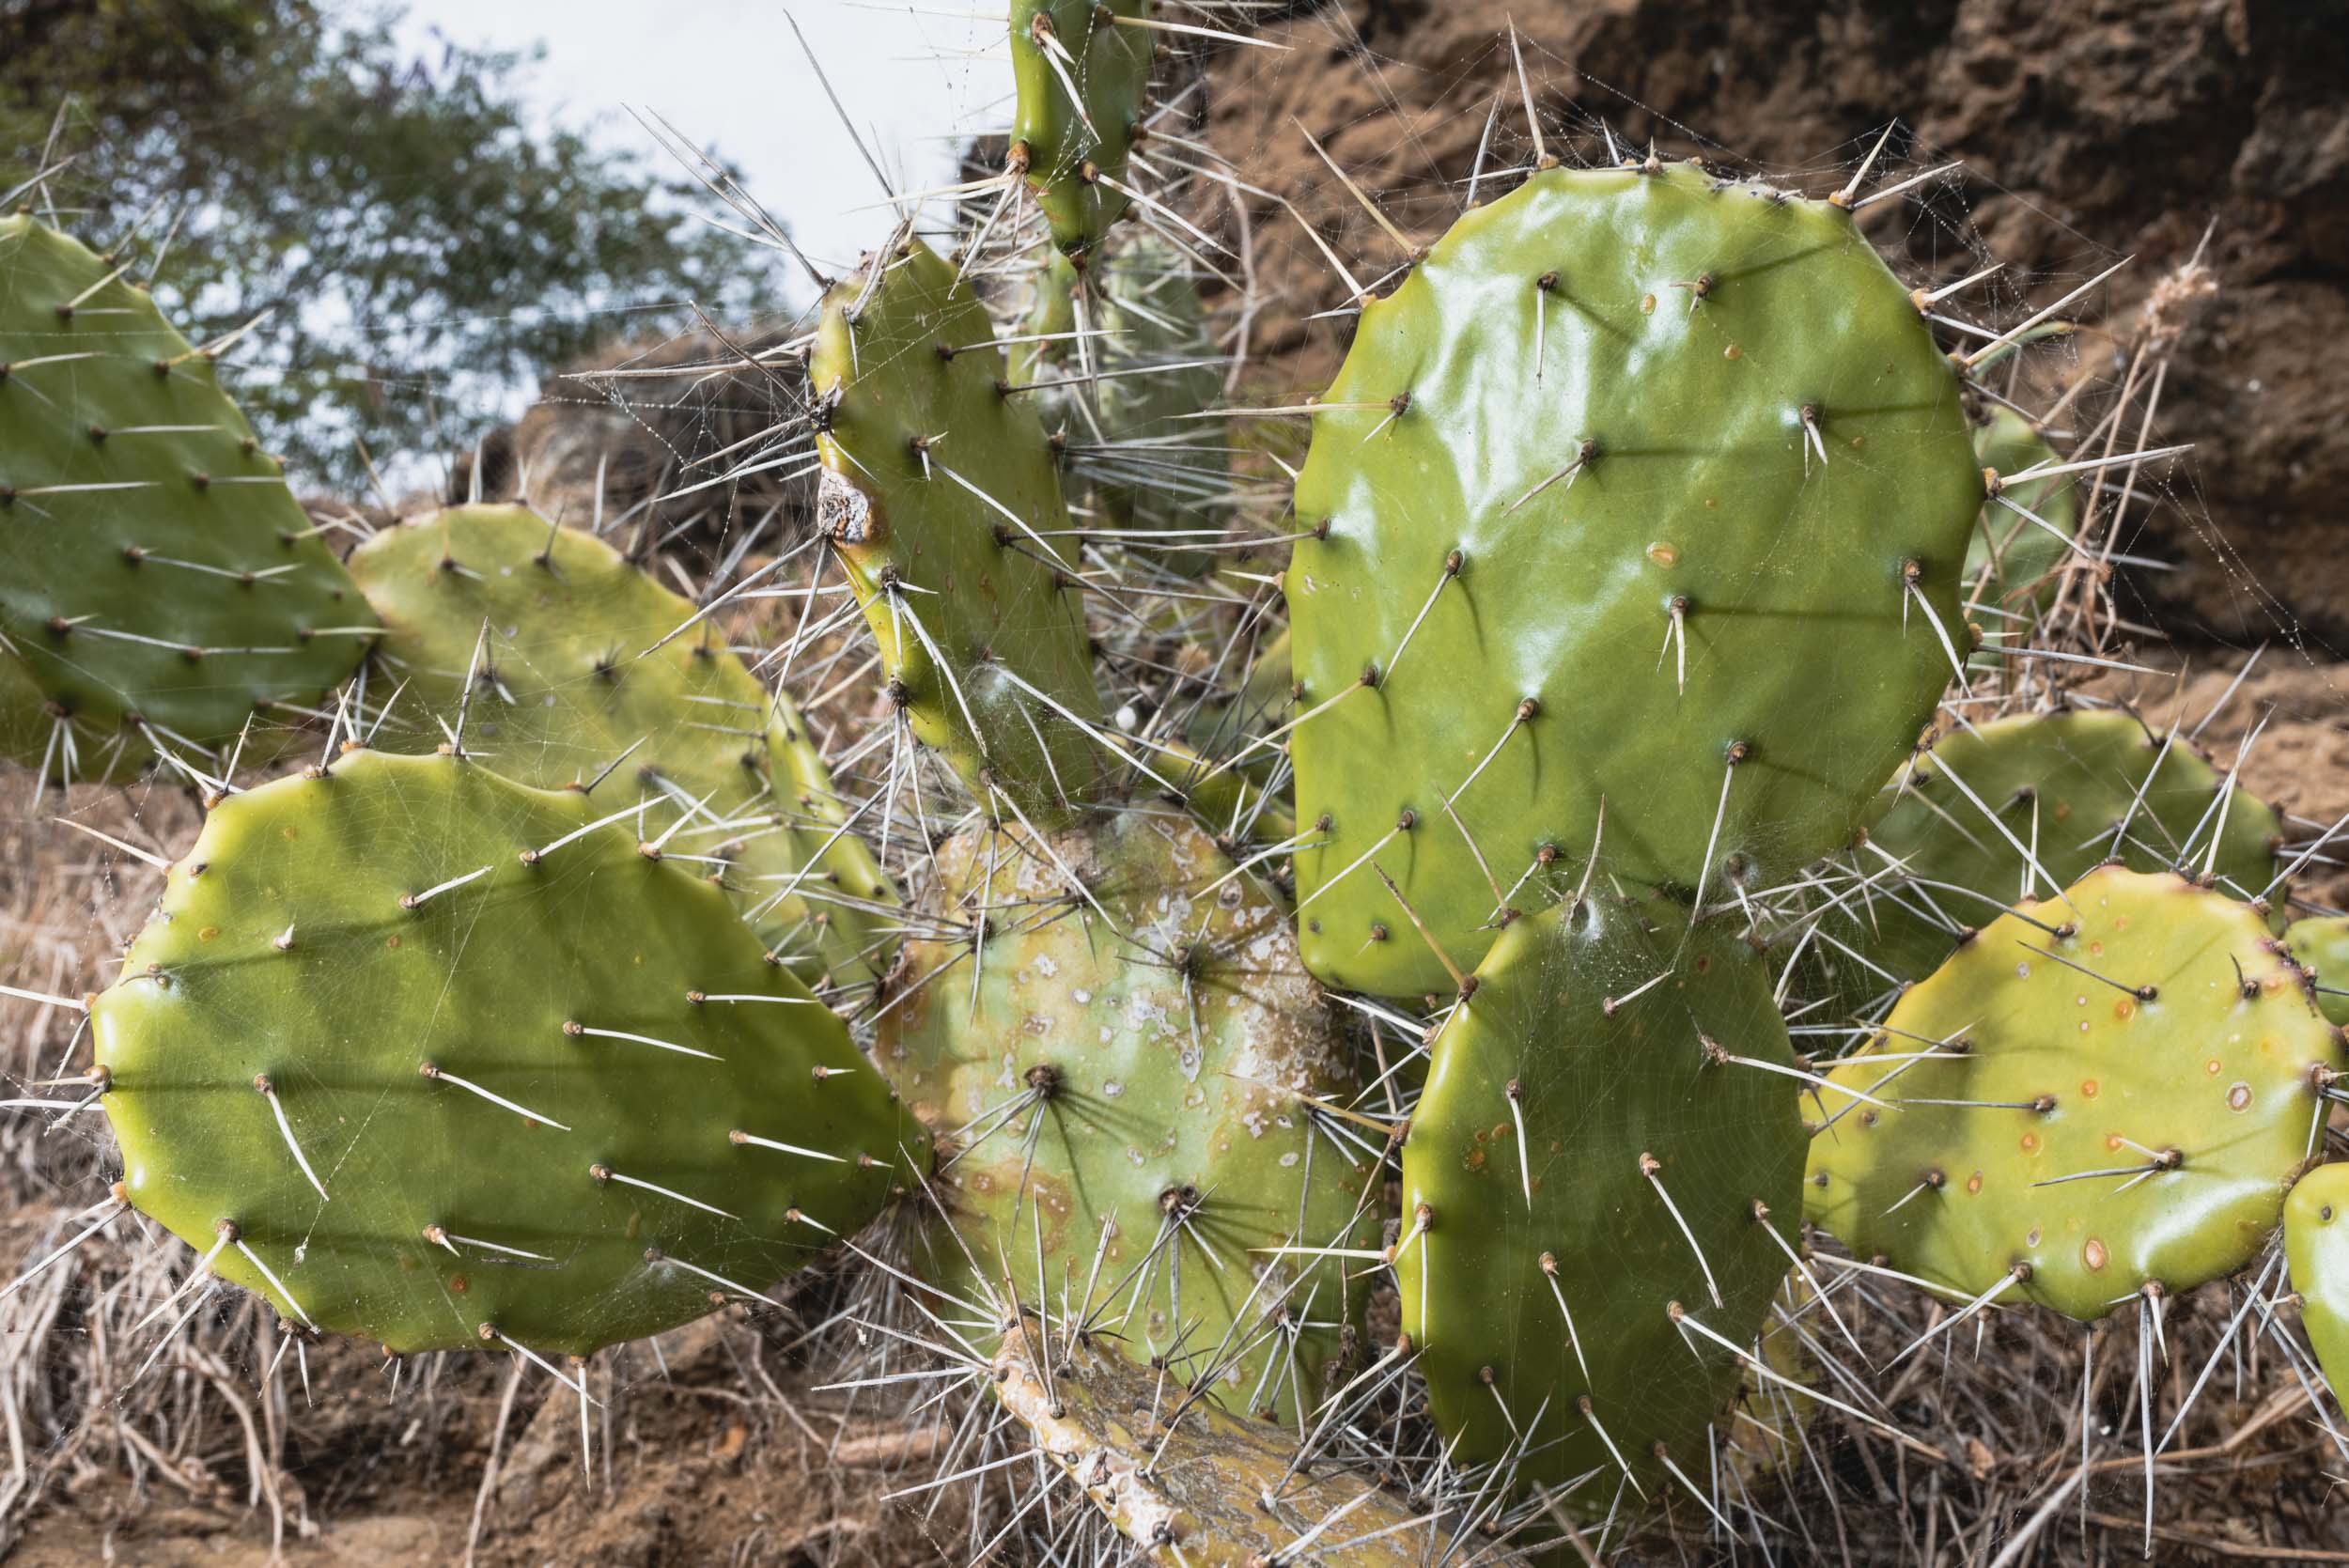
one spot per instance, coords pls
(1194, 1496)
(1714, 531)
(1063, 143)
(2316, 1250)
(942, 501)
(2010, 565)
(581, 669)
(329, 934)
(2060, 783)
(64, 748)
(154, 567)
(1611, 1037)
(2184, 1065)
(1155, 1075)
(2321, 944)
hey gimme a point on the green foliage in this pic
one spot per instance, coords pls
(2122, 1084)
(1676, 460)
(351, 944)
(1142, 1058)
(581, 668)
(154, 567)
(1567, 1137)
(943, 504)
(406, 221)
(2058, 785)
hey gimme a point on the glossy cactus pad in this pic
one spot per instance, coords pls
(1597, 1192)
(590, 672)
(942, 501)
(154, 567)
(1131, 1077)
(2101, 1094)
(425, 1055)
(1644, 488)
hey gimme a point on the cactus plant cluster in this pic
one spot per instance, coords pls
(1243, 1022)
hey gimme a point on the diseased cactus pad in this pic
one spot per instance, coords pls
(582, 674)
(1148, 1065)
(153, 565)
(2119, 1084)
(1678, 460)
(428, 1056)
(1606, 1163)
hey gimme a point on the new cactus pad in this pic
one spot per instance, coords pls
(425, 1055)
(1601, 1176)
(155, 570)
(1676, 461)
(1140, 1061)
(941, 500)
(588, 665)
(2026, 805)
(2100, 1093)
(1081, 68)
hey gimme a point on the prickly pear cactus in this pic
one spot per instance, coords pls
(1600, 1178)
(2026, 805)
(63, 747)
(1129, 1078)
(1190, 1482)
(2010, 564)
(942, 501)
(2121, 1083)
(1674, 460)
(425, 1055)
(1081, 68)
(2316, 1250)
(154, 567)
(588, 667)
(2320, 946)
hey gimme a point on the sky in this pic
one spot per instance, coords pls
(730, 76)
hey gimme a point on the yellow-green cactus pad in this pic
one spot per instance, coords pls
(425, 1055)
(1675, 460)
(154, 567)
(2316, 1250)
(1150, 1067)
(942, 499)
(1081, 68)
(2101, 1092)
(2321, 945)
(1604, 1168)
(584, 667)
(2026, 806)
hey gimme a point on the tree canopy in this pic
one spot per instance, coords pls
(421, 243)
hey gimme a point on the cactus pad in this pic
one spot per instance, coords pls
(154, 567)
(2059, 784)
(1606, 1144)
(581, 671)
(2087, 1133)
(1081, 68)
(2316, 1250)
(942, 500)
(453, 1063)
(2321, 945)
(1197, 1501)
(2010, 565)
(1679, 460)
(1153, 1077)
